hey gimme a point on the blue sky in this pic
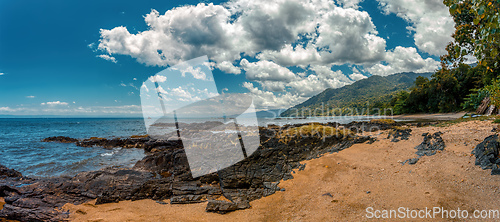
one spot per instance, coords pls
(89, 58)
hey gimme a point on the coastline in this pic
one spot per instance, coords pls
(340, 186)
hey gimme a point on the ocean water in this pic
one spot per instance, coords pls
(21, 147)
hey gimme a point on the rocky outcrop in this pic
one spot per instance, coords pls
(142, 142)
(116, 142)
(6, 172)
(60, 139)
(487, 154)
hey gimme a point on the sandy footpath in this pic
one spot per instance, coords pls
(430, 117)
(340, 186)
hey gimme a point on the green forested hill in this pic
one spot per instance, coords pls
(374, 92)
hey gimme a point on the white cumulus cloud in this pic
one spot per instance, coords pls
(55, 103)
(403, 59)
(429, 19)
(107, 57)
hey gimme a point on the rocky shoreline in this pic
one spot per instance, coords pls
(164, 174)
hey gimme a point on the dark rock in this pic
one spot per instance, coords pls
(431, 144)
(495, 169)
(142, 142)
(287, 176)
(223, 207)
(398, 133)
(487, 153)
(188, 199)
(412, 161)
(271, 185)
(161, 202)
(60, 139)
(302, 167)
(6, 172)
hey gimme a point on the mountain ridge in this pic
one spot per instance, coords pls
(378, 89)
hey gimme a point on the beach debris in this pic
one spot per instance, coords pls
(487, 154)
(490, 110)
(327, 194)
(484, 105)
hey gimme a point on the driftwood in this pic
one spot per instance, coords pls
(490, 110)
(484, 105)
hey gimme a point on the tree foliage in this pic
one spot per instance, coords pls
(477, 33)
(446, 91)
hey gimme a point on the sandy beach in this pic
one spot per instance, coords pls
(341, 186)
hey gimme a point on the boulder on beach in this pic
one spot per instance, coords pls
(487, 154)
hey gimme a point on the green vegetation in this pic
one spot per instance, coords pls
(477, 33)
(458, 86)
(447, 91)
